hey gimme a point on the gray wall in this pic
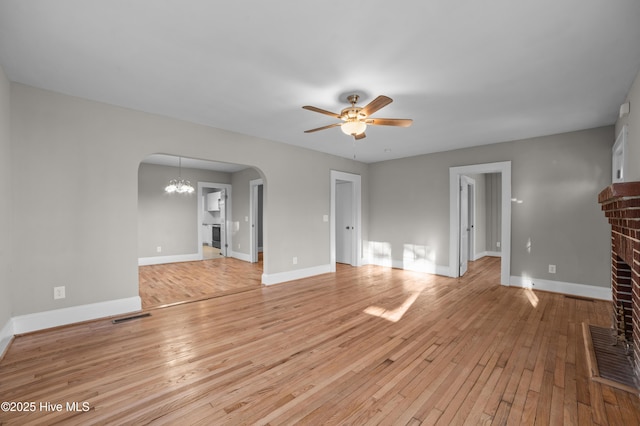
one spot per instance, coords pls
(632, 173)
(557, 177)
(169, 220)
(6, 179)
(91, 224)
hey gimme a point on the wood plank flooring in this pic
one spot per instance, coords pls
(366, 345)
(171, 283)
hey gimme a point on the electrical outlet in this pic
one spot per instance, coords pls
(159, 249)
(498, 244)
(552, 269)
(295, 260)
(59, 293)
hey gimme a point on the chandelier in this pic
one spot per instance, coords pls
(181, 186)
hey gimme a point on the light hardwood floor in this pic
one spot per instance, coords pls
(171, 283)
(366, 345)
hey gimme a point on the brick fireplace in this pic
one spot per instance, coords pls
(621, 204)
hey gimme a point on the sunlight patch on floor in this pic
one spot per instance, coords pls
(533, 299)
(396, 314)
(414, 289)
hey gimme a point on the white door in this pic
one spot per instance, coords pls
(344, 222)
(223, 222)
(464, 225)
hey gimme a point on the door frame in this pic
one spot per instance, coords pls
(253, 209)
(504, 168)
(209, 185)
(356, 180)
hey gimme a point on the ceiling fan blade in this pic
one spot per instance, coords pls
(321, 111)
(323, 127)
(373, 106)
(360, 136)
(401, 122)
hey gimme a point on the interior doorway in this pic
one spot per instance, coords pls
(455, 182)
(174, 227)
(346, 205)
(214, 211)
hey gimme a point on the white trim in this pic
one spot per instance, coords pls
(55, 318)
(159, 260)
(487, 253)
(618, 156)
(241, 256)
(253, 211)
(573, 289)
(6, 336)
(454, 214)
(296, 274)
(357, 211)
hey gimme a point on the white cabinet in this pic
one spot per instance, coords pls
(213, 202)
(207, 235)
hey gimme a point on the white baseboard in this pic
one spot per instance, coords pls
(581, 290)
(6, 335)
(416, 266)
(281, 277)
(55, 318)
(487, 253)
(241, 256)
(158, 260)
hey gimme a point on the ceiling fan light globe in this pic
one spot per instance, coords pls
(353, 127)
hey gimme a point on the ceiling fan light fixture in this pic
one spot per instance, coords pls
(355, 118)
(353, 127)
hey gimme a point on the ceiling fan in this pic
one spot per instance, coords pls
(355, 119)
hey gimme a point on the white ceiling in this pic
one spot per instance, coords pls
(467, 72)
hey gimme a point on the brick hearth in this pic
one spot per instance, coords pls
(621, 204)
